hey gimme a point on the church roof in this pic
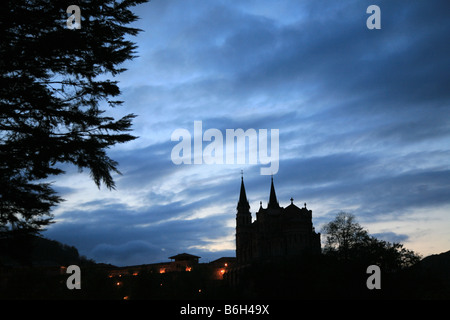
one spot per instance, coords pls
(295, 212)
(292, 209)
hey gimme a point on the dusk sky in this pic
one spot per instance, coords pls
(363, 118)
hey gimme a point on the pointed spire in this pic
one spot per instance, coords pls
(273, 202)
(243, 202)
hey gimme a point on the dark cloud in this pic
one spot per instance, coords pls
(127, 253)
(391, 237)
(144, 166)
(388, 196)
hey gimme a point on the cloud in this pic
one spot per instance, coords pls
(362, 114)
(117, 234)
(391, 237)
(127, 253)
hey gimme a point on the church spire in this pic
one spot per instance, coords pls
(273, 202)
(243, 202)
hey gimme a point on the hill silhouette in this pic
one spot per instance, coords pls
(39, 252)
(437, 263)
(430, 278)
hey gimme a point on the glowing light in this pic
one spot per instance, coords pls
(188, 268)
(162, 270)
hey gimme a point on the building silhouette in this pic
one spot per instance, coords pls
(182, 262)
(276, 233)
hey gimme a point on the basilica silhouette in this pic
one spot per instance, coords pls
(276, 233)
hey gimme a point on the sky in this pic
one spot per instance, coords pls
(362, 114)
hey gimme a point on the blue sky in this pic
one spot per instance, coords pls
(363, 117)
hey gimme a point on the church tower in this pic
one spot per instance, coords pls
(243, 227)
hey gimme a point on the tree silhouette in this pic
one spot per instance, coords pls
(54, 90)
(349, 241)
(343, 234)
